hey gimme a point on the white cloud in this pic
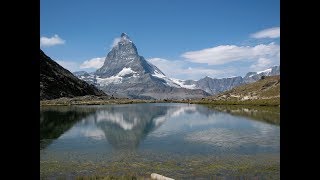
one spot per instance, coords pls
(267, 33)
(261, 64)
(115, 42)
(69, 65)
(182, 70)
(229, 53)
(52, 41)
(74, 66)
(95, 63)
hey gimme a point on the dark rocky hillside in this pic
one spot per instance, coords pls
(56, 82)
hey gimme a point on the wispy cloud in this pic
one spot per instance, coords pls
(261, 64)
(89, 65)
(51, 41)
(72, 66)
(115, 42)
(184, 70)
(229, 53)
(267, 33)
(95, 63)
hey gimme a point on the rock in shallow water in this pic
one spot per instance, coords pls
(159, 177)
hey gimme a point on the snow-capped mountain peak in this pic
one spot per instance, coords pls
(128, 74)
(125, 38)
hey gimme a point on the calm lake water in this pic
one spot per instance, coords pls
(177, 140)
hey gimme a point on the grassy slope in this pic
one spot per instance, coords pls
(262, 92)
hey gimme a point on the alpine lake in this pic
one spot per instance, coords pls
(180, 141)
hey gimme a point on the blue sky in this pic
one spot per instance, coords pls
(186, 39)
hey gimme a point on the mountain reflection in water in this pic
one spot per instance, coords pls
(126, 126)
(178, 138)
(122, 126)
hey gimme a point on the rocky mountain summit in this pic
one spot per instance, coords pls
(124, 59)
(127, 74)
(56, 82)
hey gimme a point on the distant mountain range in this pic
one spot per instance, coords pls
(215, 86)
(126, 74)
(56, 82)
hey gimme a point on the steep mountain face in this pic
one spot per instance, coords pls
(56, 82)
(124, 59)
(126, 74)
